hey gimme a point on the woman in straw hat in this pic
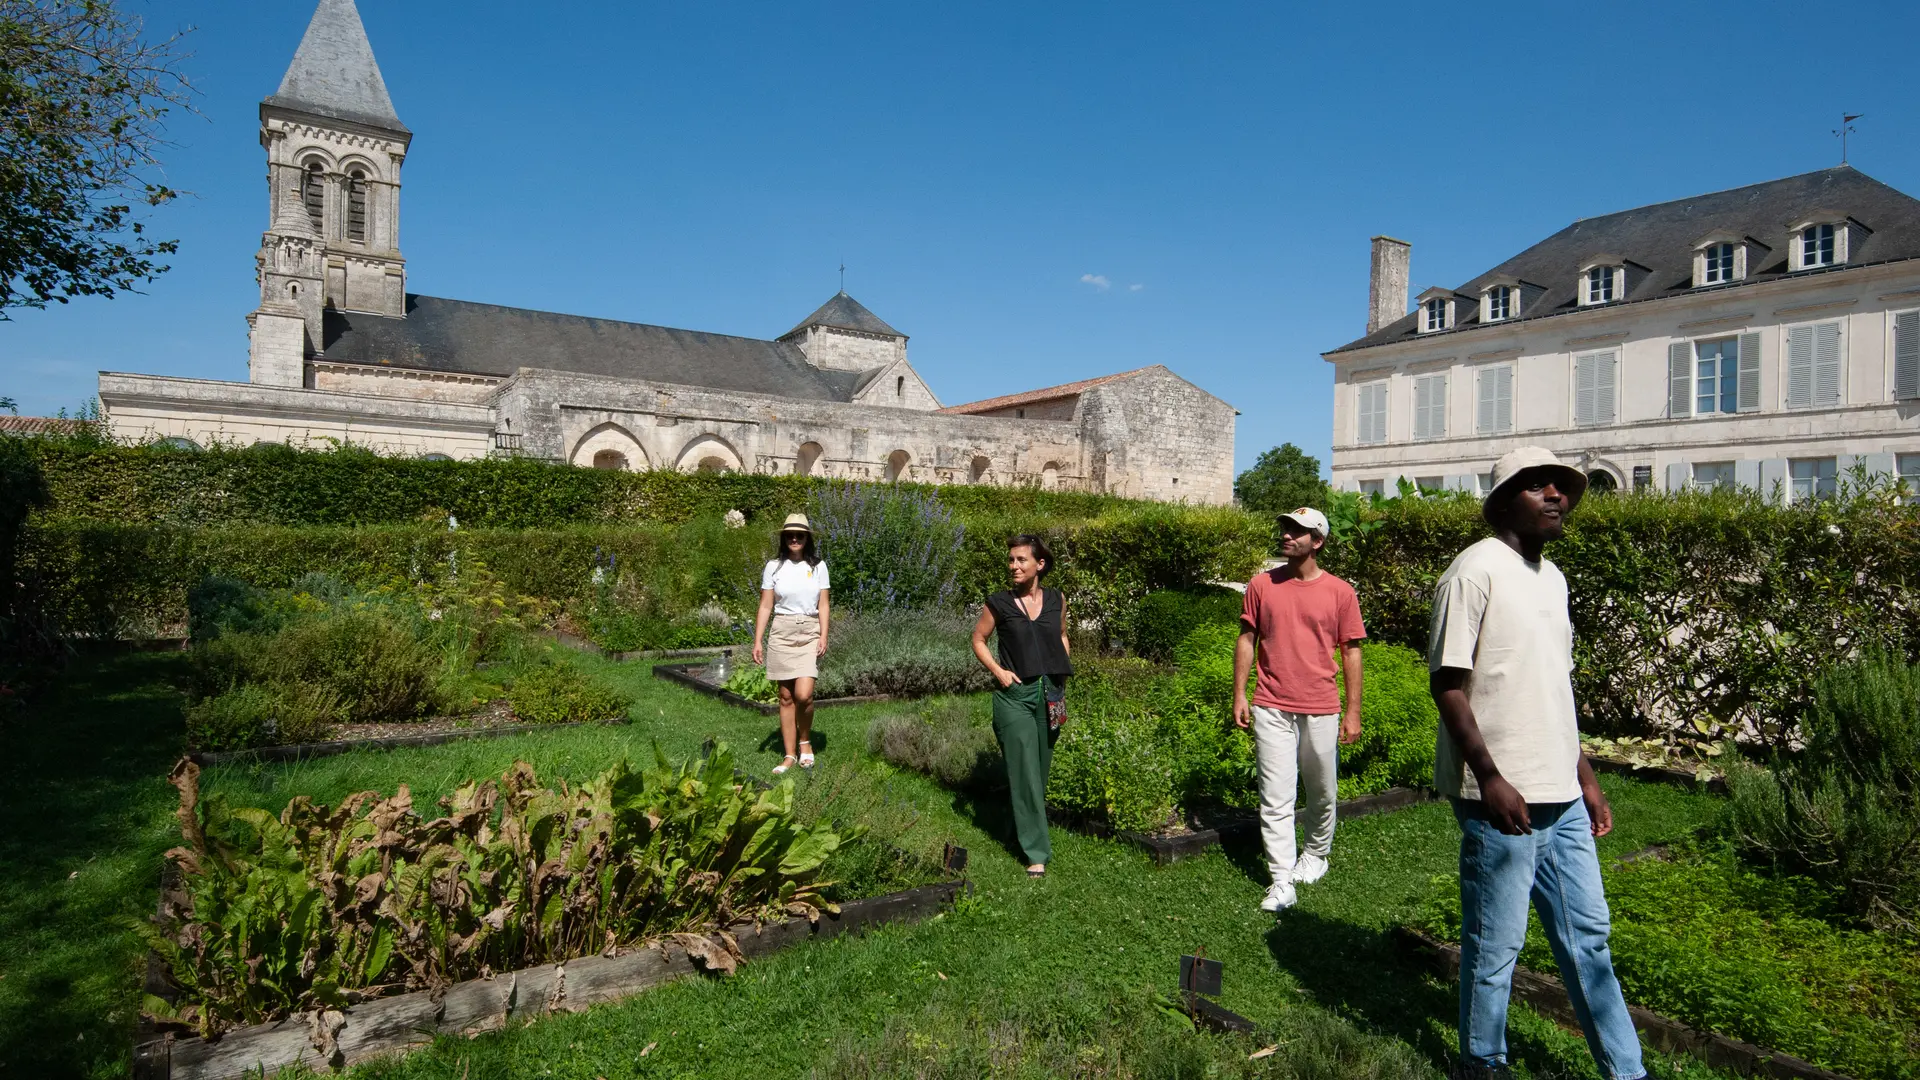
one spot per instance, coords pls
(793, 596)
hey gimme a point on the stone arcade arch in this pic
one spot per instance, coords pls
(977, 471)
(610, 446)
(1050, 475)
(807, 458)
(709, 453)
(899, 465)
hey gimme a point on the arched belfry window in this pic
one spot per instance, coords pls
(357, 205)
(313, 194)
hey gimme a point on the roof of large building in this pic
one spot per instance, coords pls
(1046, 393)
(334, 73)
(1661, 239)
(845, 313)
(40, 425)
(485, 339)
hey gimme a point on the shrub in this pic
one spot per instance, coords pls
(1398, 723)
(1166, 617)
(888, 548)
(948, 740)
(560, 693)
(1845, 808)
(381, 671)
(1111, 760)
(263, 933)
(904, 653)
(750, 681)
(263, 715)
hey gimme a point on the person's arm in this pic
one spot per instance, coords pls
(1505, 808)
(820, 649)
(760, 626)
(1598, 811)
(1065, 645)
(1242, 667)
(981, 629)
(1350, 665)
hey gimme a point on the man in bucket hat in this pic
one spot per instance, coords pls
(1299, 615)
(1501, 657)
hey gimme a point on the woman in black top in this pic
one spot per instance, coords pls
(1030, 623)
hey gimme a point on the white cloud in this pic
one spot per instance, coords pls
(1135, 287)
(1098, 281)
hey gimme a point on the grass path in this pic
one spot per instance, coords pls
(1025, 979)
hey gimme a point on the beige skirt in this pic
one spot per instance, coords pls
(791, 644)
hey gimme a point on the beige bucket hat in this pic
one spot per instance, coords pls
(1571, 481)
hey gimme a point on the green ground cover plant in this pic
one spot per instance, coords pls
(1165, 618)
(1707, 941)
(557, 691)
(950, 740)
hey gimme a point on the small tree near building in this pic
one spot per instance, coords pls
(1283, 479)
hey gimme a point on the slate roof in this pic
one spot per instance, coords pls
(485, 339)
(1045, 393)
(333, 71)
(846, 313)
(1660, 237)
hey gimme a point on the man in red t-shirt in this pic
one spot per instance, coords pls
(1299, 614)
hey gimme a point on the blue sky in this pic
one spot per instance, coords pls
(1036, 193)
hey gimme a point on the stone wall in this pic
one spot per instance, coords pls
(142, 408)
(1175, 444)
(401, 382)
(848, 350)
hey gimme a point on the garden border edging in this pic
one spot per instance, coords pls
(678, 673)
(1548, 995)
(407, 1021)
(303, 751)
(1171, 849)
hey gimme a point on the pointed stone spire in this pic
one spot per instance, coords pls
(290, 216)
(333, 73)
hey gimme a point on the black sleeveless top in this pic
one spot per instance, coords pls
(1030, 647)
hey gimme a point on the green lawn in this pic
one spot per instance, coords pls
(1027, 979)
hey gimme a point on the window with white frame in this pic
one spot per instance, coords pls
(1493, 404)
(1595, 382)
(1373, 487)
(1502, 302)
(1813, 478)
(1908, 466)
(1713, 475)
(1483, 484)
(1601, 285)
(1817, 246)
(1813, 365)
(1716, 376)
(1430, 406)
(1430, 483)
(1717, 264)
(1370, 424)
(1434, 314)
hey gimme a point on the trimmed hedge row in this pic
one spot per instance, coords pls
(1702, 615)
(273, 484)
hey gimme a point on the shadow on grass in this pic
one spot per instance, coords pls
(817, 737)
(992, 813)
(85, 815)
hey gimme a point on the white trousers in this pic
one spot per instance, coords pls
(1296, 752)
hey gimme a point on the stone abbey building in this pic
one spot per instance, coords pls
(341, 350)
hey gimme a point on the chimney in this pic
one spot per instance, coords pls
(1387, 298)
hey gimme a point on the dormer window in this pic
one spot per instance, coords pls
(1816, 246)
(1716, 266)
(1822, 240)
(1601, 285)
(1503, 302)
(1434, 315)
(1722, 258)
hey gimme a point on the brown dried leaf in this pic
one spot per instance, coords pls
(323, 1029)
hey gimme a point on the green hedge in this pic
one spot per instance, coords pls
(1700, 615)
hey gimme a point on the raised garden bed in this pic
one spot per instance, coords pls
(397, 1024)
(1679, 778)
(304, 751)
(575, 641)
(1171, 847)
(695, 677)
(1549, 996)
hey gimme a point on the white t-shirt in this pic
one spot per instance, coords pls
(1505, 620)
(796, 586)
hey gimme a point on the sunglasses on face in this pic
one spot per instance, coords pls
(795, 538)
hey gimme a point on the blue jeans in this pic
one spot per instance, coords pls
(1557, 868)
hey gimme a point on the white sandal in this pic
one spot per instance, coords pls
(785, 764)
(806, 754)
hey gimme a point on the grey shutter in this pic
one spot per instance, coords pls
(1799, 367)
(1677, 476)
(1906, 355)
(1826, 364)
(1750, 372)
(1503, 410)
(1880, 465)
(1584, 369)
(1747, 474)
(1422, 391)
(1485, 411)
(1773, 479)
(1437, 407)
(1680, 379)
(1605, 379)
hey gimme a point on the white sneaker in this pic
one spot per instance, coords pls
(1309, 869)
(1279, 897)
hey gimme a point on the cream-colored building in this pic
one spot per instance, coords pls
(1767, 336)
(341, 351)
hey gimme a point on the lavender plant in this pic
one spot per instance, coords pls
(889, 548)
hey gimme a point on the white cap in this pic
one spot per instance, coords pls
(1314, 520)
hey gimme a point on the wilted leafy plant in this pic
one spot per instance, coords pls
(318, 908)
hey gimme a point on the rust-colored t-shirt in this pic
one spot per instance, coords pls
(1297, 625)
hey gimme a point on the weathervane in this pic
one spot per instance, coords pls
(843, 277)
(1846, 126)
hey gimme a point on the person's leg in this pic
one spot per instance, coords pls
(1020, 722)
(803, 719)
(1573, 911)
(1319, 780)
(1275, 744)
(1496, 875)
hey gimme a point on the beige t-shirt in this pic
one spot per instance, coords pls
(1505, 620)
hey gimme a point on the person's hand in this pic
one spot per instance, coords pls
(759, 653)
(1350, 727)
(1007, 678)
(820, 647)
(1242, 712)
(1505, 808)
(1598, 812)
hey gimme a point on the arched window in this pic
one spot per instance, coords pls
(808, 457)
(715, 465)
(357, 205)
(313, 193)
(435, 457)
(900, 386)
(178, 442)
(610, 459)
(898, 463)
(979, 468)
(293, 290)
(1050, 476)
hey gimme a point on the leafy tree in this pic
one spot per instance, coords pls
(81, 102)
(1283, 478)
(10, 405)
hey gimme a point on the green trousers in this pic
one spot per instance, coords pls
(1020, 723)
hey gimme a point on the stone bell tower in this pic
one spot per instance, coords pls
(334, 149)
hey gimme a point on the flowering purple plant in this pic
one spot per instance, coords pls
(888, 548)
